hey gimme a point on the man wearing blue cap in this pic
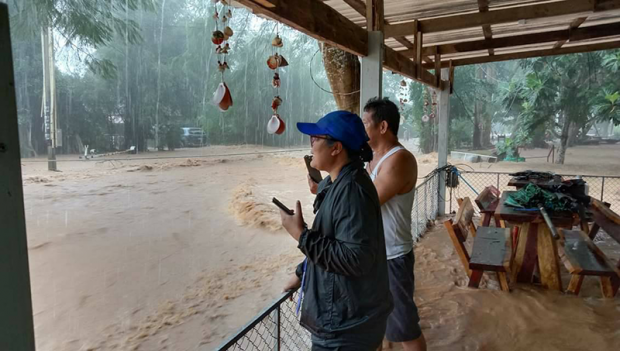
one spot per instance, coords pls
(345, 282)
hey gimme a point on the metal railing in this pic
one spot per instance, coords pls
(277, 326)
(604, 188)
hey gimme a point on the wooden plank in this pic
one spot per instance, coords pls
(503, 281)
(606, 211)
(611, 228)
(483, 6)
(357, 5)
(507, 213)
(451, 67)
(488, 199)
(474, 279)
(374, 15)
(464, 218)
(505, 15)
(600, 253)
(574, 286)
(525, 255)
(569, 262)
(583, 253)
(548, 262)
(397, 62)
(418, 53)
(586, 33)
(606, 287)
(317, 20)
(459, 247)
(437, 69)
(535, 53)
(490, 250)
(573, 25)
(16, 324)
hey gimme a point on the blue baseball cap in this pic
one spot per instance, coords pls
(344, 126)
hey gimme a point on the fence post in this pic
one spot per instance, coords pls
(443, 111)
(497, 181)
(602, 188)
(278, 327)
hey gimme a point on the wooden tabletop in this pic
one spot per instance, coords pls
(511, 214)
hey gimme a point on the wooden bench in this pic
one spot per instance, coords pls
(487, 202)
(491, 247)
(583, 258)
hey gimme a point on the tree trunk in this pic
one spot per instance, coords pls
(564, 140)
(486, 132)
(343, 73)
(488, 117)
(573, 129)
(476, 143)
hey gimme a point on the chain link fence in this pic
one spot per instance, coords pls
(604, 188)
(277, 327)
(425, 206)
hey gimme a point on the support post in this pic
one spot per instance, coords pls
(443, 113)
(16, 325)
(49, 99)
(371, 82)
(372, 69)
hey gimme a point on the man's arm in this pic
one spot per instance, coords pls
(398, 175)
(353, 251)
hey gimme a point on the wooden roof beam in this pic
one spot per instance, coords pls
(315, 19)
(398, 63)
(573, 25)
(483, 6)
(505, 15)
(394, 60)
(592, 32)
(360, 7)
(535, 53)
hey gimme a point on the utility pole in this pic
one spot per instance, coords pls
(49, 96)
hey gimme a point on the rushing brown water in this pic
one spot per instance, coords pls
(178, 254)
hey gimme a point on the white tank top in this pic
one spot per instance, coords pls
(396, 215)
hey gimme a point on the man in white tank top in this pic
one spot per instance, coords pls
(394, 171)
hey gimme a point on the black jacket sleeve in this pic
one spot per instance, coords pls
(352, 252)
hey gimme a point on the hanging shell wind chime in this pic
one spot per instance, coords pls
(276, 125)
(222, 97)
(425, 117)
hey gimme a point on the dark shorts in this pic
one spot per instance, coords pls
(368, 339)
(403, 324)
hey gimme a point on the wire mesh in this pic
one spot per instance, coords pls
(424, 209)
(604, 188)
(276, 328)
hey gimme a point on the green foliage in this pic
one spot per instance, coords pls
(91, 101)
(82, 24)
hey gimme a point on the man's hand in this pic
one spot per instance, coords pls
(293, 283)
(294, 224)
(314, 186)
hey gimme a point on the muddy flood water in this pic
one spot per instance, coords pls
(177, 254)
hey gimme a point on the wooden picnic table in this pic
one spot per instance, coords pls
(535, 244)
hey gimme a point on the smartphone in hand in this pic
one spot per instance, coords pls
(283, 207)
(314, 173)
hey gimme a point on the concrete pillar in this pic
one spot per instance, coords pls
(443, 112)
(16, 326)
(372, 69)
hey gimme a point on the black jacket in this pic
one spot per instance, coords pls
(346, 284)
